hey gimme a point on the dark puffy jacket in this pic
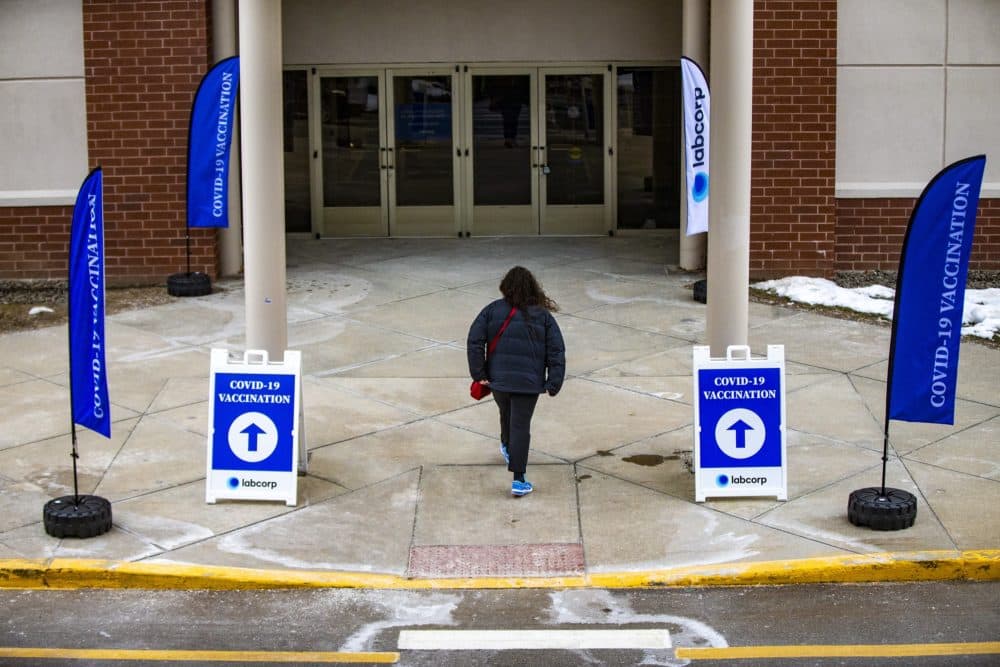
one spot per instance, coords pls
(530, 357)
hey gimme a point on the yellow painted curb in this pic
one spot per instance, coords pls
(65, 573)
(836, 651)
(200, 656)
(978, 565)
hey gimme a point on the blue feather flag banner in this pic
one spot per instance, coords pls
(930, 295)
(210, 136)
(87, 343)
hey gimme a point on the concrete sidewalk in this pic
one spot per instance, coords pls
(405, 477)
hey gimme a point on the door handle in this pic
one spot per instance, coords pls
(542, 162)
(382, 159)
(392, 159)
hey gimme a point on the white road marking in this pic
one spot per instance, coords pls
(464, 640)
(595, 607)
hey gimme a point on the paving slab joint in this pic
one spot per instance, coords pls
(60, 573)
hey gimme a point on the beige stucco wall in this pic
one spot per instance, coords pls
(43, 124)
(918, 86)
(456, 31)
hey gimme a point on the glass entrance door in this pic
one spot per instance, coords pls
(352, 147)
(574, 152)
(540, 145)
(421, 156)
(501, 174)
(532, 156)
(387, 165)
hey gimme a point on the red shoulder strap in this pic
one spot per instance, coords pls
(496, 339)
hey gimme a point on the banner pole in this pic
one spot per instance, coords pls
(888, 379)
(75, 455)
(72, 424)
(885, 455)
(896, 302)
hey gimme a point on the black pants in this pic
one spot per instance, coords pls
(515, 426)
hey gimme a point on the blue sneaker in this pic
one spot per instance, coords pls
(504, 453)
(519, 489)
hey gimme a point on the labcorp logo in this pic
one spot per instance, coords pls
(723, 481)
(235, 483)
(700, 189)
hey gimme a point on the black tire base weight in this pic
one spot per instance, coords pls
(189, 284)
(77, 516)
(701, 291)
(894, 510)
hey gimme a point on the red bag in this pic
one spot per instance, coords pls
(480, 391)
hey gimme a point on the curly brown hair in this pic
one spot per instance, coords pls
(520, 289)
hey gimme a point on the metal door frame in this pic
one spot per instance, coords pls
(319, 222)
(456, 134)
(603, 225)
(468, 149)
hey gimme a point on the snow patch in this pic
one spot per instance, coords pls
(980, 315)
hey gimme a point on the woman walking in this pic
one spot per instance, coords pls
(529, 359)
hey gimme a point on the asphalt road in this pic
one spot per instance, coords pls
(949, 623)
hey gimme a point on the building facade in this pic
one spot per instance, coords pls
(446, 118)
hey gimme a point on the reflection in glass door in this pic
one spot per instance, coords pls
(649, 143)
(351, 138)
(501, 180)
(573, 153)
(421, 161)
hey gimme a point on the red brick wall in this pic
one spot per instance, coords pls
(34, 242)
(793, 152)
(870, 233)
(986, 242)
(143, 63)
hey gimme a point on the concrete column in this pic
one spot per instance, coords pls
(263, 176)
(729, 213)
(231, 237)
(694, 45)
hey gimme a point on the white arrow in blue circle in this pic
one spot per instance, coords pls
(253, 437)
(740, 433)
